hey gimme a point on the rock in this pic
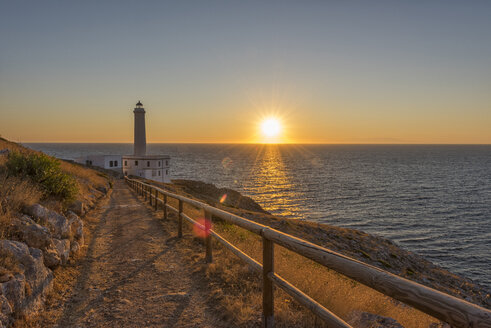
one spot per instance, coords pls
(25, 291)
(74, 248)
(56, 223)
(14, 291)
(440, 325)
(76, 226)
(5, 277)
(78, 207)
(5, 311)
(37, 211)
(63, 249)
(370, 320)
(51, 257)
(40, 281)
(33, 234)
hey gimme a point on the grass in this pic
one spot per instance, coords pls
(45, 171)
(30, 177)
(237, 289)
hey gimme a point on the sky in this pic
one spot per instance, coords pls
(211, 71)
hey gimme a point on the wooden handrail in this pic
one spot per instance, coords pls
(447, 308)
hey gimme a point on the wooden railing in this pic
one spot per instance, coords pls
(454, 311)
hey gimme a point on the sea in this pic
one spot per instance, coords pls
(434, 200)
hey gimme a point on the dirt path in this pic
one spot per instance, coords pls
(133, 275)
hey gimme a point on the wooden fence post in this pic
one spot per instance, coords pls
(156, 199)
(209, 256)
(145, 192)
(165, 207)
(268, 291)
(179, 227)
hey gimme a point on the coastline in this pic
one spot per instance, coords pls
(374, 250)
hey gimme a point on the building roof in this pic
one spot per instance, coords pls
(146, 157)
(139, 103)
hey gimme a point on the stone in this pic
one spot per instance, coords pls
(25, 291)
(5, 277)
(76, 226)
(33, 234)
(440, 325)
(78, 207)
(74, 248)
(37, 211)
(51, 258)
(5, 311)
(370, 320)
(56, 223)
(63, 249)
(14, 291)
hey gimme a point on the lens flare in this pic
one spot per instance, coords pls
(224, 197)
(198, 232)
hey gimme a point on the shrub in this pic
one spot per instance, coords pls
(44, 170)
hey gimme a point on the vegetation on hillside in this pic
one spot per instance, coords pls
(28, 177)
(45, 171)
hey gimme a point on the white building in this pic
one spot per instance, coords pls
(152, 167)
(111, 162)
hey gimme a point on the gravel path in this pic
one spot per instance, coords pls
(133, 275)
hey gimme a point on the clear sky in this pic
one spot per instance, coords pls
(209, 71)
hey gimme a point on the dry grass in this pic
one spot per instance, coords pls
(17, 192)
(237, 288)
(86, 178)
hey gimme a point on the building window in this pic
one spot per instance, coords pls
(116, 163)
(166, 172)
(167, 163)
(159, 171)
(125, 163)
(111, 163)
(125, 172)
(159, 163)
(153, 173)
(136, 163)
(148, 163)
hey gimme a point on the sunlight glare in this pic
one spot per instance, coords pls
(271, 127)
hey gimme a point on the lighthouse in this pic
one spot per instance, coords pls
(140, 139)
(152, 167)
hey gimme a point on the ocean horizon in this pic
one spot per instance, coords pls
(434, 200)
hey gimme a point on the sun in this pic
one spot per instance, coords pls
(271, 127)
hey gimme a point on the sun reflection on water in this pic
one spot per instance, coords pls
(271, 182)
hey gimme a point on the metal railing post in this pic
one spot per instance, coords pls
(179, 227)
(268, 291)
(209, 256)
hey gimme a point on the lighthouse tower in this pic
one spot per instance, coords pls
(140, 139)
(152, 167)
